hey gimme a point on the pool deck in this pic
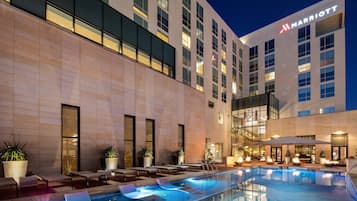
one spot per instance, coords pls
(56, 193)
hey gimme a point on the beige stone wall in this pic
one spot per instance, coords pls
(42, 67)
(320, 125)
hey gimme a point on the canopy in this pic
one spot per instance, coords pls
(291, 140)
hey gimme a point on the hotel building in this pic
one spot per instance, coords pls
(79, 76)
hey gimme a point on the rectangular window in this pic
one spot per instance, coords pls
(214, 27)
(253, 90)
(58, 17)
(156, 64)
(111, 43)
(304, 34)
(270, 87)
(215, 75)
(181, 137)
(199, 65)
(241, 53)
(253, 65)
(199, 47)
(234, 60)
(327, 58)
(199, 10)
(224, 80)
(162, 19)
(129, 141)
(224, 95)
(304, 79)
(215, 91)
(187, 4)
(214, 59)
(269, 60)
(304, 113)
(163, 4)
(140, 21)
(269, 76)
(234, 47)
(150, 136)
(269, 46)
(70, 139)
(304, 49)
(186, 57)
(129, 50)
(253, 78)
(223, 52)
(142, 5)
(304, 64)
(214, 43)
(253, 52)
(186, 38)
(224, 37)
(240, 66)
(327, 74)
(199, 30)
(143, 58)
(223, 67)
(327, 90)
(87, 31)
(186, 75)
(199, 82)
(186, 18)
(304, 94)
(327, 42)
(327, 110)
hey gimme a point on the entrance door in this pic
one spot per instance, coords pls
(339, 153)
(70, 139)
(129, 141)
(276, 154)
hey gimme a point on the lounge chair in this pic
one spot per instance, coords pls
(166, 169)
(147, 171)
(270, 161)
(125, 173)
(129, 191)
(90, 175)
(56, 178)
(9, 182)
(80, 196)
(180, 167)
(165, 184)
(296, 161)
(239, 162)
(195, 166)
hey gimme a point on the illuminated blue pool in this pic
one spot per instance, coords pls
(256, 184)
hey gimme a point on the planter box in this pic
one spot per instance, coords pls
(111, 163)
(15, 169)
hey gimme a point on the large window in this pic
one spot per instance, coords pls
(304, 94)
(199, 30)
(304, 34)
(111, 43)
(59, 17)
(215, 75)
(199, 46)
(186, 38)
(224, 37)
(150, 136)
(304, 64)
(70, 139)
(141, 21)
(224, 80)
(199, 83)
(327, 74)
(186, 57)
(270, 87)
(327, 58)
(253, 65)
(199, 65)
(304, 79)
(215, 91)
(187, 4)
(214, 43)
(186, 18)
(181, 137)
(269, 60)
(304, 49)
(327, 42)
(224, 95)
(253, 52)
(253, 78)
(327, 110)
(142, 5)
(304, 113)
(129, 141)
(269, 46)
(253, 90)
(162, 19)
(199, 10)
(163, 4)
(186, 76)
(87, 31)
(327, 90)
(214, 27)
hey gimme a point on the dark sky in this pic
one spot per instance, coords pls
(245, 16)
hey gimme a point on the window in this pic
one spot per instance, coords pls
(269, 60)
(304, 79)
(223, 67)
(241, 52)
(327, 74)
(111, 43)
(199, 10)
(186, 18)
(87, 31)
(58, 17)
(215, 91)
(327, 90)
(199, 83)
(142, 5)
(224, 37)
(199, 46)
(223, 52)
(269, 76)
(150, 136)
(199, 30)
(214, 27)
(214, 43)
(304, 64)
(214, 59)
(240, 65)
(270, 87)
(304, 94)
(224, 95)
(186, 38)
(186, 57)
(234, 47)
(224, 81)
(253, 65)
(253, 78)
(143, 58)
(140, 21)
(162, 19)
(181, 137)
(304, 34)
(70, 139)
(253, 90)
(129, 50)
(156, 64)
(129, 141)
(199, 65)
(163, 4)
(187, 4)
(327, 42)
(269, 46)
(215, 75)
(304, 113)
(186, 74)
(253, 52)
(327, 58)
(327, 110)
(234, 60)
(304, 49)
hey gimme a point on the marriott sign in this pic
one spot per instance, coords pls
(306, 20)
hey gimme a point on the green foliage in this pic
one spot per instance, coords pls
(111, 153)
(180, 152)
(322, 154)
(148, 153)
(12, 152)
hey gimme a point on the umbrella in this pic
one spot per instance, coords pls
(290, 140)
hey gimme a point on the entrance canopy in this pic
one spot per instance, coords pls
(291, 140)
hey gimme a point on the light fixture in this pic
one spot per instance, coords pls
(339, 132)
(275, 136)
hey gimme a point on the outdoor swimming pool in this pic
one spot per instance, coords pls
(253, 184)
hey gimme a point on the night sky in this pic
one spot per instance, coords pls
(246, 16)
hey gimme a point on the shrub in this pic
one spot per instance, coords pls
(13, 152)
(111, 153)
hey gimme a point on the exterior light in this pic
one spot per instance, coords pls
(339, 132)
(275, 136)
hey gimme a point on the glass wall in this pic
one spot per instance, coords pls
(150, 136)
(181, 137)
(129, 141)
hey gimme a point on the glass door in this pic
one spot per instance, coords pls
(70, 139)
(129, 141)
(276, 154)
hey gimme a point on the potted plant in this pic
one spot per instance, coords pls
(181, 157)
(209, 155)
(287, 157)
(322, 157)
(111, 159)
(14, 160)
(148, 156)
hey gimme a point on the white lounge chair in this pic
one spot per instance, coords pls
(165, 184)
(80, 196)
(129, 191)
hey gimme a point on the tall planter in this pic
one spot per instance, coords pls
(111, 163)
(147, 161)
(15, 169)
(181, 160)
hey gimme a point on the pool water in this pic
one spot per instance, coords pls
(253, 184)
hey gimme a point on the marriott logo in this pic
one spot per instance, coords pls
(306, 20)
